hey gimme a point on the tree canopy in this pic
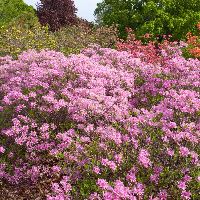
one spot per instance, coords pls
(158, 17)
(56, 13)
(11, 9)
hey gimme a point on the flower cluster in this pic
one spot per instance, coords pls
(149, 50)
(194, 43)
(103, 124)
(145, 49)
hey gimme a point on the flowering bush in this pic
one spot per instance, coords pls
(194, 43)
(73, 39)
(15, 39)
(147, 48)
(100, 125)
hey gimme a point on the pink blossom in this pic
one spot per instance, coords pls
(119, 158)
(131, 176)
(162, 195)
(185, 195)
(108, 163)
(144, 158)
(2, 150)
(139, 189)
(95, 196)
(96, 170)
(103, 184)
(184, 151)
(134, 114)
(170, 152)
(44, 127)
(56, 169)
(182, 185)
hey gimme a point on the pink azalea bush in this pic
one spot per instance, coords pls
(101, 125)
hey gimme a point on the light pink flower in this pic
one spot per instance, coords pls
(96, 170)
(144, 158)
(2, 150)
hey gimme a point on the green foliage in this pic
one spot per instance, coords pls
(158, 17)
(11, 9)
(26, 20)
(87, 186)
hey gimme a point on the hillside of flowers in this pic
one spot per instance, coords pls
(102, 124)
(100, 111)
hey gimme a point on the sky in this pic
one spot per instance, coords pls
(85, 7)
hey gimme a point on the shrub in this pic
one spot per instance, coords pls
(100, 125)
(56, 13)
(25, 20)
(16, 39)
(194, 43)
(147, 48)
(147, 51)
(71, 39)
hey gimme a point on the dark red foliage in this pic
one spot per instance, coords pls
(56, 13)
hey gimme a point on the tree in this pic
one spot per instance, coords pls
(158, 17)
(11, 9)
(56, 13)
